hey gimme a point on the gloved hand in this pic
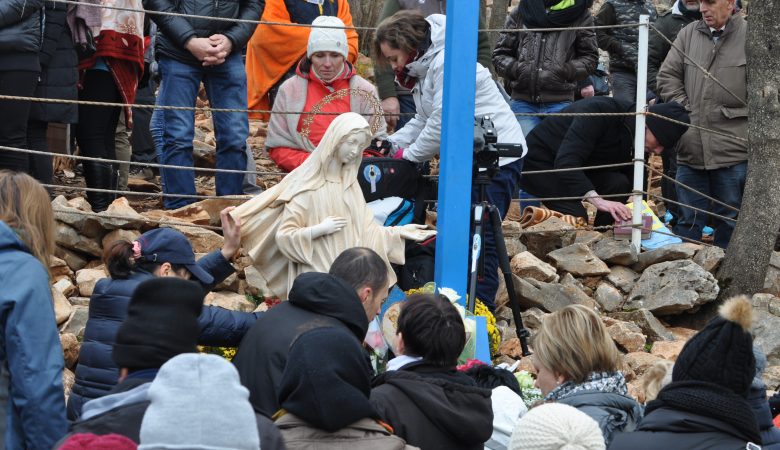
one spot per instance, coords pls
(399, 154)
(382, 146)
(328, 226)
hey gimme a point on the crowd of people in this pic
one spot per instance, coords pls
(301, 377)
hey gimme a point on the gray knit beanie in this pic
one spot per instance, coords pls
(198, 403)
(556, 426)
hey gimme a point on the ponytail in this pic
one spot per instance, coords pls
(118, 259)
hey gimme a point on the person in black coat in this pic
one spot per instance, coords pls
(562, 142)
(347, 298)
(58, 80)
(770, 435)
(426, 401)
(21, 29)
(705, 406)
(162, 252)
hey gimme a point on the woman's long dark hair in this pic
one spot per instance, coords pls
(120, 263)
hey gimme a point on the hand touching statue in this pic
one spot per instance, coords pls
(328, 226)
(415, 232)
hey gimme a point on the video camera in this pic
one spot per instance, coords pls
(486, 149)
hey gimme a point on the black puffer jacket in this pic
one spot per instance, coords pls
(21, 34)
(434, 408)
(59, 76)
(174, 32)
(315, 300)
(532, 63)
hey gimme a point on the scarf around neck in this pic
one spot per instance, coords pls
(536, 15)
(402, 76)
(611, 382)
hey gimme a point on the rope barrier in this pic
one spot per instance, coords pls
(147, 194)
(691, 189)
(306, 25)
(692, 207)
(707, 74)
(161, 221)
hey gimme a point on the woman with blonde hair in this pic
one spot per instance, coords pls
(578, 364)
(32, 404)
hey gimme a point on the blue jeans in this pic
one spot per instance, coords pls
(527, 123)
(725, 185)
(499, 193)
(407, 108)
(173, 130)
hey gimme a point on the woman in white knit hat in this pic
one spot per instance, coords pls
(555, 426)
(322, 79)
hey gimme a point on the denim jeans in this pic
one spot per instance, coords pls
(407, 108)
(173, 130)
(504, 184)
(527, 123)
(724, 184)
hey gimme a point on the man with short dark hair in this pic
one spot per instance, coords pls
(347, 297)
(712, 164)
(426, 401)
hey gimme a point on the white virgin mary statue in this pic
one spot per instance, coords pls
(317, 211)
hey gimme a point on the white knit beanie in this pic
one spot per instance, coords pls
(555, 426)
(198, 402)
(327, 39)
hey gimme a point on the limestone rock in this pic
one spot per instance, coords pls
(65, 287)
(68, 380)
(526, 265)
(549, 296)
(682, 334)
(651, 327)
(668, 349)
(608, 297)
(70, 349)
(62, 307)
(772, 377)
(74, 260)
(79, 301)
(59, 269)
(766, 326)
(120, 235)
(772, 280)
(639, 362)
(627, 335)
(615, 251)
(578, 260)
(257, 284)
(193, 213)
(121, 215)
(671, 252)
(77, 321)
(547, 236)
(635, 390)
(673, 287)
(532, 318)
(86, 280)
(514, 246)
(229, 300)
(67, 237)
(69, 212)
(511, 348)
(229, 284)
(587, 237)
(709, 258)
(202, 240)
(623, 278)
(511, 228)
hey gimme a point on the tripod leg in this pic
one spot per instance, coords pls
(503, 262)
(476, 250)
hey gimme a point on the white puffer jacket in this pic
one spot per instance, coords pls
(421, 136)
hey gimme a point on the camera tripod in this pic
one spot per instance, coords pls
(484, 211)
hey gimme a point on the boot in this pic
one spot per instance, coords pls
(99, 175)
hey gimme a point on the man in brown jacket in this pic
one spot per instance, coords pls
(712, 164)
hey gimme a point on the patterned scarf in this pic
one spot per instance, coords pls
(612, 382)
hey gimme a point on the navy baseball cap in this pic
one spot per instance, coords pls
(168, 245)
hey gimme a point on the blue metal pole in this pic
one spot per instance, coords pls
(460, 60)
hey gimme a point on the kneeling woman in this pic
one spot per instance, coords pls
(578, 364)
(414, 48)
(324, 71)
